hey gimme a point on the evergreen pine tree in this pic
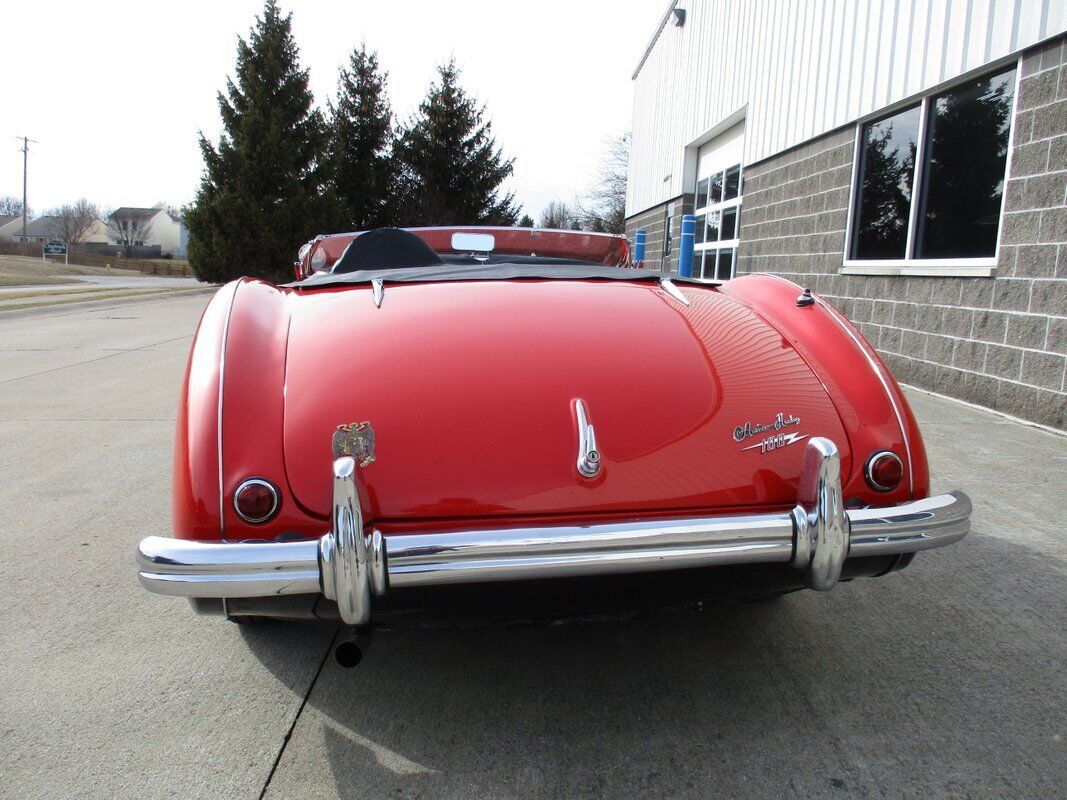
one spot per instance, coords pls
(262, 193)
(451, 170)
(526, 221)
(361, 138)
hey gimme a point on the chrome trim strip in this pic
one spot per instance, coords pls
(478, 228)
(588, 456)
(667, 285)
(222, 373)
(378, 289)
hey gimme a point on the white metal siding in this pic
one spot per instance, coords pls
(805, 67)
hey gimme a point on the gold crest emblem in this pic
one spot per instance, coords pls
(354, 439)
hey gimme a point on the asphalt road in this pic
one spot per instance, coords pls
(946, 680)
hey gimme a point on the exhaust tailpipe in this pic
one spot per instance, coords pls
(349, 651)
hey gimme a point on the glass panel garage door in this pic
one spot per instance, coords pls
(717, 206)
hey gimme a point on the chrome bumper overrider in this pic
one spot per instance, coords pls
(351, 566)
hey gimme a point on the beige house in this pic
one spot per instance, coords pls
(97, 234)
(151, 226)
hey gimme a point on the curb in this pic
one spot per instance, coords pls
(62, 309)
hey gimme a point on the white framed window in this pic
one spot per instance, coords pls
(717, 206)
(929, 180)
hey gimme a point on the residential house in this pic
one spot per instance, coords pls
(46, 228)
(10, 224)
(154, 226)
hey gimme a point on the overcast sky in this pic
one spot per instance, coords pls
(115, 92)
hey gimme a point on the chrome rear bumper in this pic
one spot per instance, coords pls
(351, 566)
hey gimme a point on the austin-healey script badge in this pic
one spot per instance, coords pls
(354, 439)
(778, 439)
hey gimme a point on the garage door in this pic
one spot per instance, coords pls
(717, 205)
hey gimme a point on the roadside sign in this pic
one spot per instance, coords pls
(54, 247)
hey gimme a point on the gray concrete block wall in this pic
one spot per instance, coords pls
(999, 342)
(652, 220)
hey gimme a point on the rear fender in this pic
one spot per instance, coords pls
(875, 414)
(238, 354)
(253, 411)
(195, 496)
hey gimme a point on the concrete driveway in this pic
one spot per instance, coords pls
(946, 680)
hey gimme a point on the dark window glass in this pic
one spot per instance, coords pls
(887, 168)
(726, 265)
(713, 227)
(715, 189)
(965, 153)
(729, 224)
(698, 260)
(733, 183)
(701, 225)
(702, 194)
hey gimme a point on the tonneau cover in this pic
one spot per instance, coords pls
(484, 272)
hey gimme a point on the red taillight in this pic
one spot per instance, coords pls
(884, 471)
(255, 500)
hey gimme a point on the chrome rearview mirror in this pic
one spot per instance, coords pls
(473, 242)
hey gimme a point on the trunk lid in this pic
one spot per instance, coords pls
(470, 389)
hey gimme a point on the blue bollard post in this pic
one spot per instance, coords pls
(685, 247)
(639, 247)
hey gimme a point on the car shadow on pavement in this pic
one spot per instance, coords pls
(945, 679)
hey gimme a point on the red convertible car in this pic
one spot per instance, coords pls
(491, 418)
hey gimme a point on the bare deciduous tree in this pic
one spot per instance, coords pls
(604, 206)
(558, 214)
(71, 223)
(129, 228)
(11, 206)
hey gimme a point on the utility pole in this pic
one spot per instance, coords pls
(25, 162)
